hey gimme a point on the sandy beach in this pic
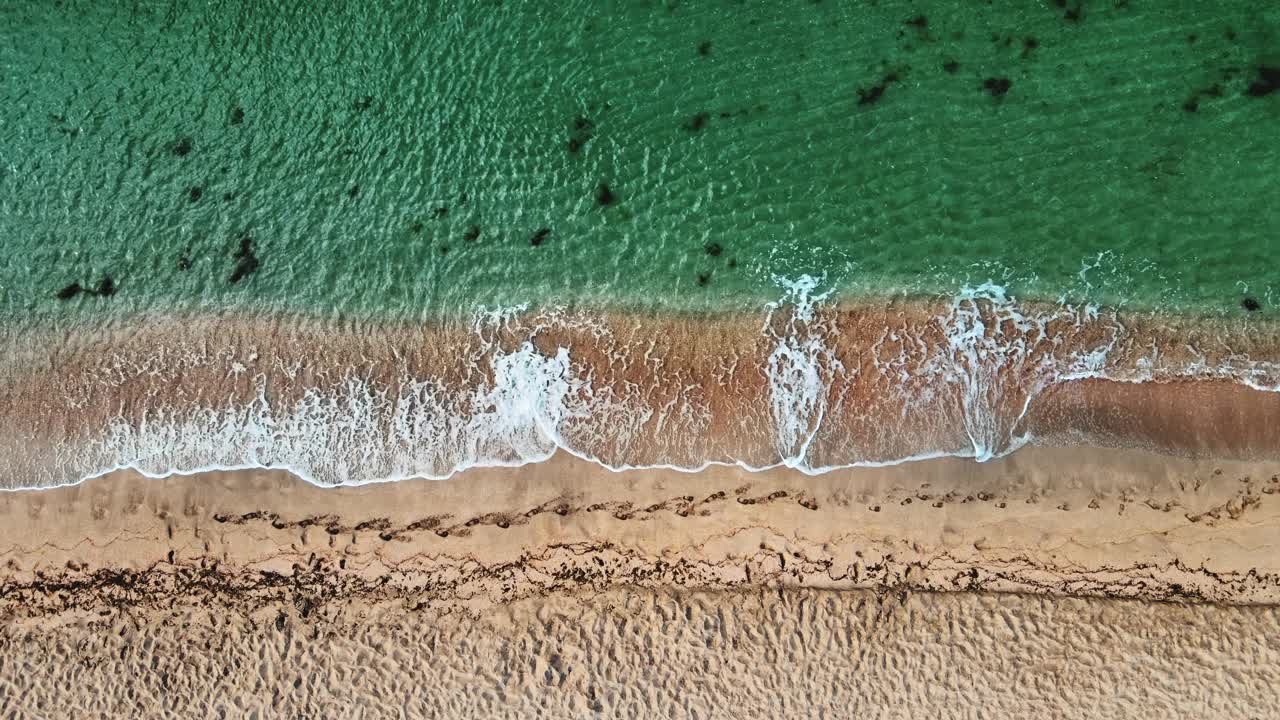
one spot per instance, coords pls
(1034, 582)
(639, 360)
(1107, 523)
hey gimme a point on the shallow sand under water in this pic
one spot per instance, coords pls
(797, 385)
(1052, 583)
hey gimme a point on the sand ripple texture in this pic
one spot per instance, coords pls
(636, 653)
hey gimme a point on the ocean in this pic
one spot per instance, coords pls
(466, 164)
(416, 159)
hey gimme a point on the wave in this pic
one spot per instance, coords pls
(809, 383)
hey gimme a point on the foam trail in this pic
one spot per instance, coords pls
(357, 431)
(521, 389)
(798, 370)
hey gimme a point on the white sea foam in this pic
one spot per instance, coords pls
(799, 368)
(357, 432)
(999, 358)
(521, 405)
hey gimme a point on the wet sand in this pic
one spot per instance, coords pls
(1105, 523)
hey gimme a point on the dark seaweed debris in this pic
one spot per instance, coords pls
(106, 288)
(997, 86)
(246, 259)
(581, 133)
(872, 95)
(1267, 83)
(604, 195)
(1071, 13)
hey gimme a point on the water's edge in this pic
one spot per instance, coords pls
(808, 383)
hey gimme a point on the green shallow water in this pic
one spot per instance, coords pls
(390, 158)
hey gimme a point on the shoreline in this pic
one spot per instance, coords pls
(1240, 436)
(1046, 521)
(801, 385)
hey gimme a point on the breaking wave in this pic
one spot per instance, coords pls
(815, 386)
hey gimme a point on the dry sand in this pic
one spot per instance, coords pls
(560, 588)
(651, 654)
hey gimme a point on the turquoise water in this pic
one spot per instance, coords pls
(388, 158)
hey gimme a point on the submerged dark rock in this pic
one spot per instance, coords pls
(245, 266)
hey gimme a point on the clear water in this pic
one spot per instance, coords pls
(391, 158)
